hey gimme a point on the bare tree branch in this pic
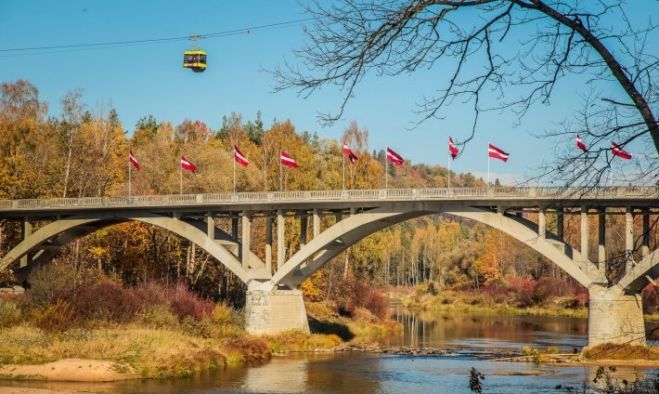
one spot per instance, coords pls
(492, 69)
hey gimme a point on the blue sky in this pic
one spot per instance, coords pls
(142, 80)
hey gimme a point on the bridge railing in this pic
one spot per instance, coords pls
(334, 195)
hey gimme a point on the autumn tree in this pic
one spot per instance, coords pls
(26, 155)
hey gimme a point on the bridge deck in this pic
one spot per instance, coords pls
(640, 196)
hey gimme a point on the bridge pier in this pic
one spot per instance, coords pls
(275, 311)
(614, 317)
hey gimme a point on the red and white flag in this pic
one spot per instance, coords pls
(286, 160)
(239, 157)
(618, 151)
(394, 157)
(580, 144)
(452, 149)
(496, 153)
(348, 152)
(133, 160)
(187, 165)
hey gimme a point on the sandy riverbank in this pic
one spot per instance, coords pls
(68, 370)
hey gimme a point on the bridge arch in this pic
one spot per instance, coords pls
(347, 232)
(58, 233)
(636, 279)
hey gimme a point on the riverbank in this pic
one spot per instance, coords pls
(470, 302)
(135, 351)
(474, 303)
(607, 355)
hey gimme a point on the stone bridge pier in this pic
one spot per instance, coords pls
(614, 316)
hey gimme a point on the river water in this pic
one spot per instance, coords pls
(470, 338)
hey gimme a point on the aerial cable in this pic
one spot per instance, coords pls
(110, 44)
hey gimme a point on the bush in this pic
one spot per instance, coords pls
(56, 317)
(371, 299)
(49, 283)
(546, 288)
(157, 316)
(650, 296)
(186, 303)
(581, 298)
(223, 314)
(106, 300)
(351, 294)
(151, 293)
(10, 313)
(496, 291)
(523, 288)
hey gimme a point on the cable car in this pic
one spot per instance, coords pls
(195, 59)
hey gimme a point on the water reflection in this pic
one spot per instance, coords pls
(488, 332)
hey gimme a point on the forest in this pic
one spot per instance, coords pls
(83, 152)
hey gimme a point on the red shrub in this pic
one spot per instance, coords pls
(186, 303)
(106, 300)
(497, 291)
(371, 299)
(650, 296)
(523, 288)
(351, 294)
(582, 298)
(546, 288)
(152, 293)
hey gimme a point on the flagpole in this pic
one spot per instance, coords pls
(488, 166)
(386, 171)
(180, 186)
(281, 175)
(129, 171)
(448, 178)
(343, 160)
(234, 170)
(351, 178)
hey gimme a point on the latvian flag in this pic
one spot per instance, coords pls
(452, 149)
(394, 157)
(187, 165)
(133, 160)
(497, 153)
(286, 160)
(580, 144)
(348, 152)
(621, 153)
(239, 157)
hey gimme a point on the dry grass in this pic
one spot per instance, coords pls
(296, 341)
(148, 352)
(611, 351)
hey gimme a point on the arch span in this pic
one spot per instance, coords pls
(53, 235)
(345, 233)
(635, 280)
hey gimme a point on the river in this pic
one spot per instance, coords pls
(468, 337)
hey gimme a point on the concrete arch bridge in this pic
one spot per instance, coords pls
(274, 302)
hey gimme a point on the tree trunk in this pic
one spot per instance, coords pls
(67, 170)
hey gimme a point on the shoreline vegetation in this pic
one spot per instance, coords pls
(176, 334)
(96, 329)
(135, 351)
(480, 303)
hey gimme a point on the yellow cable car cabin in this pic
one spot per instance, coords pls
(195, 60)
